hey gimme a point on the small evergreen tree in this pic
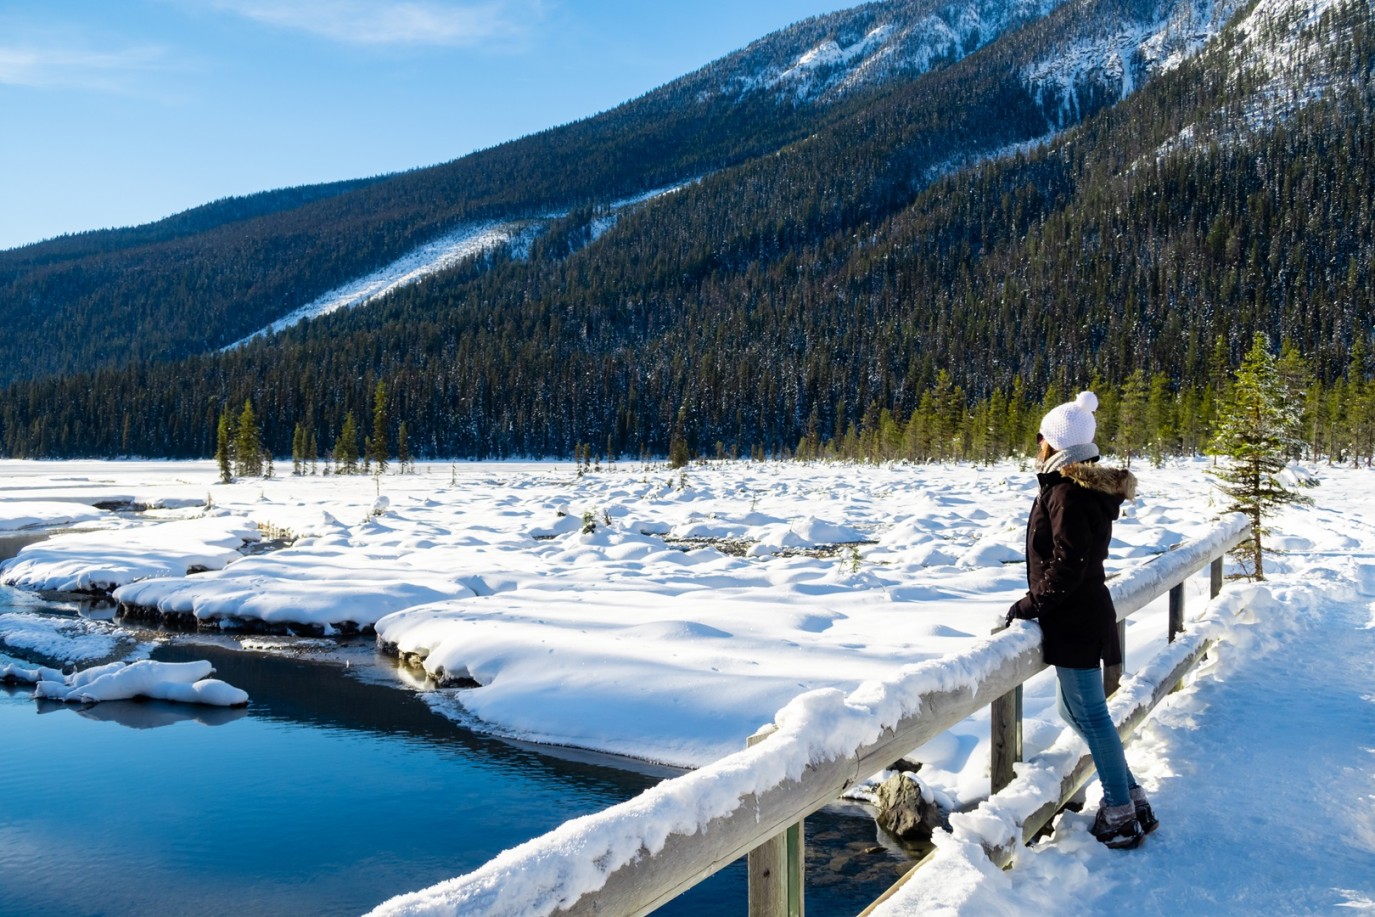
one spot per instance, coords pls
(378, 447)
(1131, 417)
(222, 448)
(1360, 406)
(1257, 427)
(1160, 420)
(298, 449)
(346, 447)
(679, 453)
(248, 443)
(403, 450)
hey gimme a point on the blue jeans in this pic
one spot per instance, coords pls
(1084, 706)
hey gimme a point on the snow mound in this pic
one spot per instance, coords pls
(103, 560)
(182, 682)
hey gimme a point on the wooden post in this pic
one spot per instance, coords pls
(1216, 576)
(797, 868)
(777, 868)
(1176, 611)
(1005, 719)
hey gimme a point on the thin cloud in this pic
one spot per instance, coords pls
(54, 67)
(396, 22)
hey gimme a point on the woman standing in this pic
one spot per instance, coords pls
(1067, 540)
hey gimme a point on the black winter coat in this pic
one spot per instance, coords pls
(1067, 540)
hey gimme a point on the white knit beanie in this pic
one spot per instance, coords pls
(1071, 423)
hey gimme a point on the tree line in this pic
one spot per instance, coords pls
(1141, 419)
(240, 451)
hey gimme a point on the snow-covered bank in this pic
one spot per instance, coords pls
(99, 561)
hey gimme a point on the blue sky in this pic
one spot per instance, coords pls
(118, 113)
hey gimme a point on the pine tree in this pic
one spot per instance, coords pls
(1360, 406)
(1295, 379)
(248, 443)
(1160, 420)
(1131, 417)
(1257, 427)
(403, 450)
(222, 448)
(298, 449)
(379, 447)
(679, 453)
(346, 447)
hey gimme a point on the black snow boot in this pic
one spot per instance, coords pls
(1117, 826)
(1144, 815)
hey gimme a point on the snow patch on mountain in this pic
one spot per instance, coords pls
(829, 56)
(449, 250)
(1111, 64)
(607, 218)
(1278, 37)
(1277, 45)
(826, 57)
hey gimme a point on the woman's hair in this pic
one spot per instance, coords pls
(1044, 450)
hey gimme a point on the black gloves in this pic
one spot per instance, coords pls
(1022, 608)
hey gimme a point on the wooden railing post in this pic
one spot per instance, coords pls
(777, 868)
(1176, 611)
(1216, 572)
(1005, 718)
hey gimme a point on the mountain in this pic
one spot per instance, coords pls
(1014, 194)
(201, 280)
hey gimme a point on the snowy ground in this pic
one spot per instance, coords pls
(598, 611)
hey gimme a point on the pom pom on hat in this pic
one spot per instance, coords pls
(1071, 423)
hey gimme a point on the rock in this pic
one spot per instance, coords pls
(902, 811)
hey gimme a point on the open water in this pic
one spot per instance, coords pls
(327, 795)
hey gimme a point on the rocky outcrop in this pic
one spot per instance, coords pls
(903, 810)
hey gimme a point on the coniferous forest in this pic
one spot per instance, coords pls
(840, 284)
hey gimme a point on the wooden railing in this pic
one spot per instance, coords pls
(636, 856)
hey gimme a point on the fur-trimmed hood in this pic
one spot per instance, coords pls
(1115, 482)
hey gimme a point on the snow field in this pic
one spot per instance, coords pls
(612, 639)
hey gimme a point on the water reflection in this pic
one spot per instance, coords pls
(146, 714)
(293, 691)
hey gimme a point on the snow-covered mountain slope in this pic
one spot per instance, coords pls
(1107, 58)
(826, 57)
(1285, 43)
(447, 251)
(1075, 55)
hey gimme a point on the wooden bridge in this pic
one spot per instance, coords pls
(636, 856)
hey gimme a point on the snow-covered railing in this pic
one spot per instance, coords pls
(636, 856)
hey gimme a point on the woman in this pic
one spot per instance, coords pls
(1067, 540)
